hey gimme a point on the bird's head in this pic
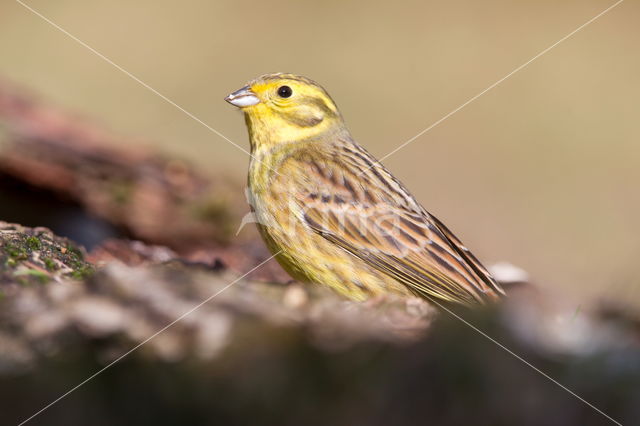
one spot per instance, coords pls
(282, 108)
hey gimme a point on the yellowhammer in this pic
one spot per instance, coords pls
(336, 216)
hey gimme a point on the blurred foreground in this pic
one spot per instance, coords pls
(263, 353)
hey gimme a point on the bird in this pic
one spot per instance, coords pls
(334, 215)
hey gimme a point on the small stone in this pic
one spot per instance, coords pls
(507, 273)
(212, 334)
(168, 345)
(295, 297)
(45, 324)
(98, 316)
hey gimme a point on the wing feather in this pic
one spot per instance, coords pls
(387, 229)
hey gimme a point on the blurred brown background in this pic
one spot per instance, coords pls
(541, 171)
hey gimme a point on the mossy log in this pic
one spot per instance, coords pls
(36, 256)
(55, 150)
(195, 344)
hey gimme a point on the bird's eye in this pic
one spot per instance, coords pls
(284, 91)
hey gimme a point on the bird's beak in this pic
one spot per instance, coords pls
(243, 98)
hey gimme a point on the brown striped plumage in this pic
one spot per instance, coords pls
(338, 217)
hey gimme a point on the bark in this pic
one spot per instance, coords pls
(154, 198)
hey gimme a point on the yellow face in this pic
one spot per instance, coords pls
(285, 108)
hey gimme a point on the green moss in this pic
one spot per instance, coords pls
(74, 252)
(31, 257)
(40, 276)
(82, 272)
(50, 264)
(16, 252)
(33, 243)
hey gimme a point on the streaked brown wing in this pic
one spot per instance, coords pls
(371, 216)
(469, 257)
